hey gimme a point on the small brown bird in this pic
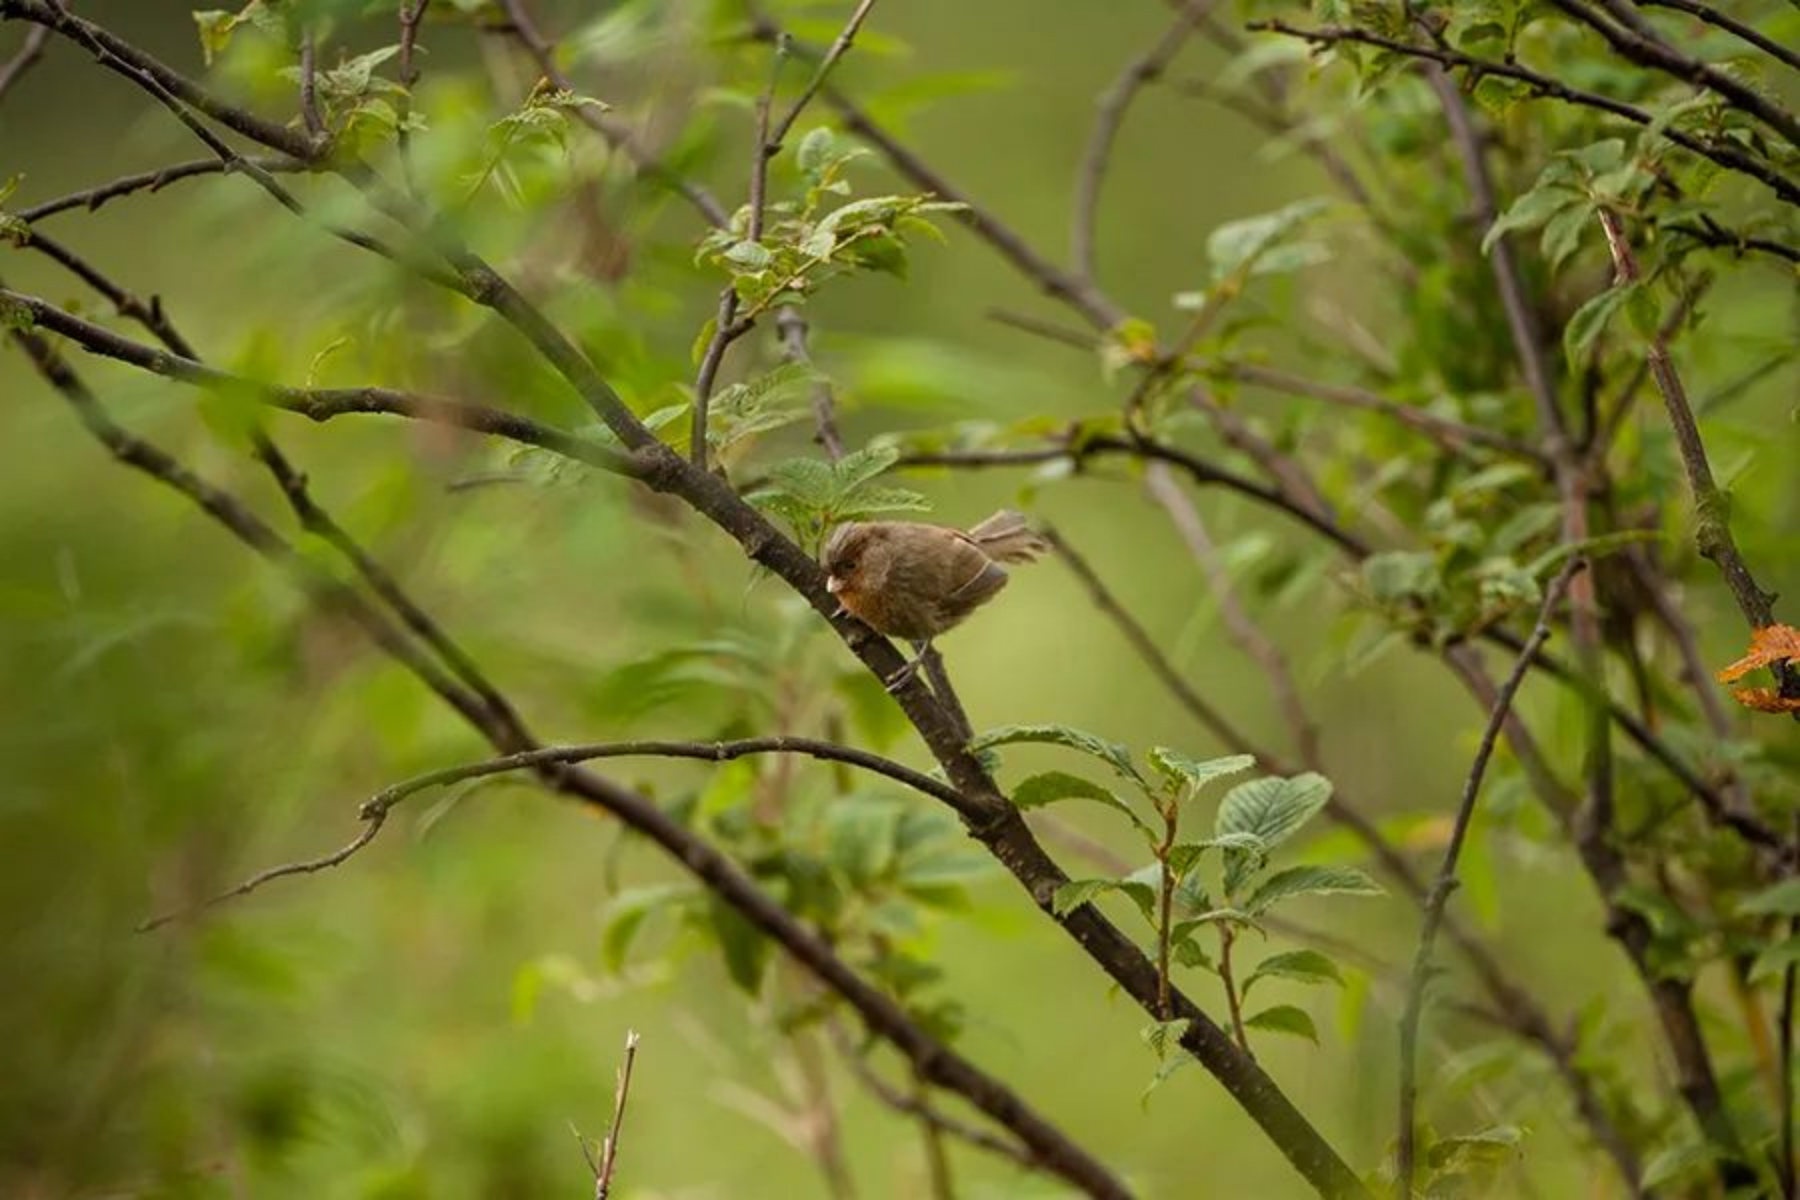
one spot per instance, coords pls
(906, 579)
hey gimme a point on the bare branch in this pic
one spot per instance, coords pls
(1446, 878)
(14, 68)
(1712, 16)
(153, 181)
(839, 47)
(609, 1149)
(793, 329)
(1549, 88)
(616, 132)
(1635, 39)
(1712, 508)
(322, 404)
(1145, 69)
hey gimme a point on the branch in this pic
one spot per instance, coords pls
(1712, 507)
(921, 1108)
(29, 53)
(931, 1058)
(1717, 19)
(1146, 68)
(1635, 39)
(1243, 630)
(154, 181)
(1450, 434)
(616, 132)
(321, 404)
(793, 330)
(1548, 88)
(609, 1149)
(1197, 469)
(836, 51)
(1446, 881)
(125, 59)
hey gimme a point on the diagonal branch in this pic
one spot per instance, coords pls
(1143, 70)
(1547, 87)
(1446, 881)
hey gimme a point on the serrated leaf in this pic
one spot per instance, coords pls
(1161, 1036)
(1273, 808)
(1111, 753)
(1775, 959)
(1235, 246)
(1484, 1148)
(1285, 1018)
(1783, 899)
(625, 918)
(1300, 966)
(1534, 208)
(1049, 787)
(1077, 892)
(1168, 1068)
(1181, 770)
(1591, 319)
(1311, 881)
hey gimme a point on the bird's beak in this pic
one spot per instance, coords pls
(834, 585)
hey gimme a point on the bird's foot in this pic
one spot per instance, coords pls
(903, 676)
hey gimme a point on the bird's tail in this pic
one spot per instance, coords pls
(1008, 537)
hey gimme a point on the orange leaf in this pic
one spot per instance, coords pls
(1768, 645)
(1767, 700)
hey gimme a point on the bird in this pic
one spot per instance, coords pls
(915, 581)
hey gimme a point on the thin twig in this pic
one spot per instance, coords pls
(1712, 16)
(609, 1149)
(309, 85)
(839, 47)
(1243, 630)
(1143, 70)
(1549, 88)
(325, 862)
(15, 67)
(1712, 508)
(1446, 878)
(320, 404)
(793, 329)
(152, 181)
(919, 1106)
(1635, 39)
(617, 133)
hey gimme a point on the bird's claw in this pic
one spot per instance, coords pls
(903, 676)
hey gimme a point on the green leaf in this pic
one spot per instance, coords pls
(1529, 211)
(1775, 959)
(1234, 247)
(1285, 1018)
(1273, 808)
(743, 946)
(1052, 786)
(1783, 899)
(1179, 769)
(1112, 754)
(1311, 881)
(626, 915)
(1168, 1068)
(1485, 1148)
(1301, 966)
(1591, 319)
(1077, 892)
(751, 256)
(1163, 1036)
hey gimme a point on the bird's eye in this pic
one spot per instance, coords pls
(846, 566)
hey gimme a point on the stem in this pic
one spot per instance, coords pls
(1232, 1000)
(1171, 815)
(1446, 878)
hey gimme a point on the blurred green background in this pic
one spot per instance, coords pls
(430, 1018)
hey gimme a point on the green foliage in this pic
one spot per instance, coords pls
(812, 495)
(809, 241)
